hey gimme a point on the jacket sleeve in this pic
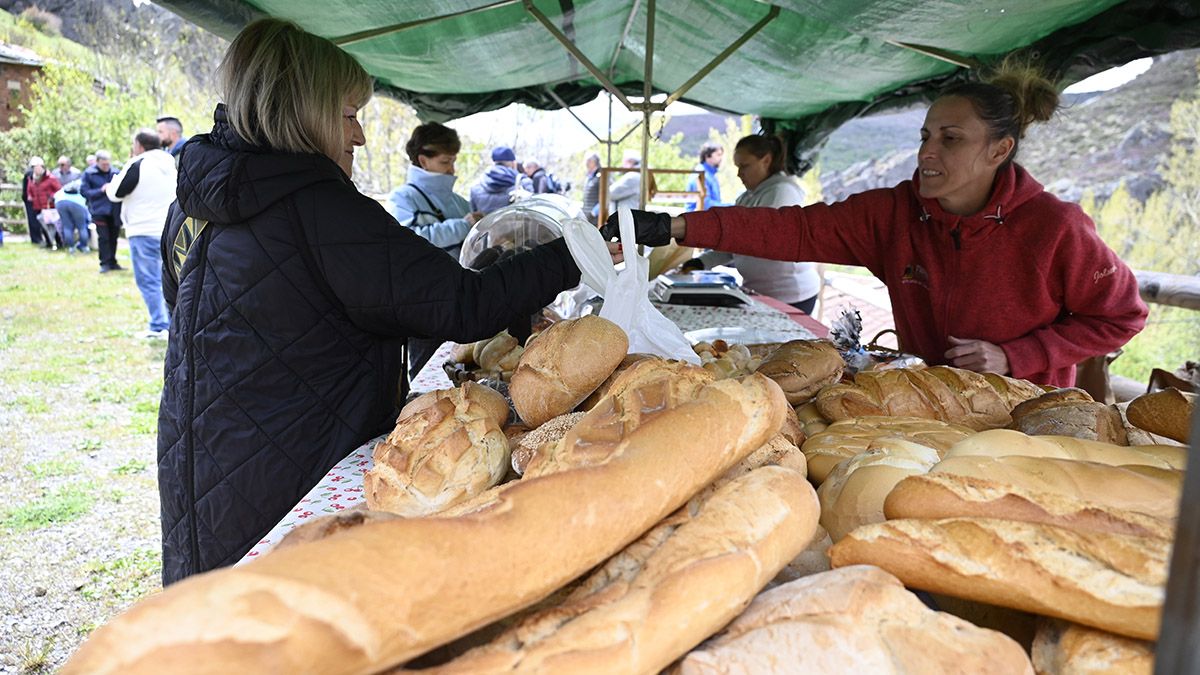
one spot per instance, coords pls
(443, 234)
(118, 181)
(1101, 307)
(395, 283)
(86, 187)
(850, 232)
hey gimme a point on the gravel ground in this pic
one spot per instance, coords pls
(79, 527)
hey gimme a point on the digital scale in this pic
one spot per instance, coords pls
(698, 288)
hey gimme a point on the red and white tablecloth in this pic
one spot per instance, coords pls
(342, 487)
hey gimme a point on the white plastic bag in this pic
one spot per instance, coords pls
(626, 293)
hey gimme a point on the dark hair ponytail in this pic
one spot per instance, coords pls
(1009, 99)
(761, 146)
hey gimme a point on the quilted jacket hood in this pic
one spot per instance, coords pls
(216, 168)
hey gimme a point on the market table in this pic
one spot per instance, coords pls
(342, 487)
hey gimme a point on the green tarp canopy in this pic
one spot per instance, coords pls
(813, 65)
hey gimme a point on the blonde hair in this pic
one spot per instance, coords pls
(284, 88)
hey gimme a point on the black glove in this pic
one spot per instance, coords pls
(650, 228)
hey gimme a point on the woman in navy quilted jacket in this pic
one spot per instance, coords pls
(292, 294)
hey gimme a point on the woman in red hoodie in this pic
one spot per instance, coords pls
(986, 270)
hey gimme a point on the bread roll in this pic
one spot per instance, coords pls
(500, 354)
(803, 367)
(847, 438)
(1142, 489)
(853, 494)
(379, 594)
(1070, 412)
(810, 419)
(1108, 581)
(1062, 648)
(464, 354)
(446, 448)
(563, 365)
(946, 495)
(1008, 443)
(941, 393)
(853, 620)
(667, 591)
(1166, 413)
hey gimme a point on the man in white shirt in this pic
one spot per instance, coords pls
(626, 190)
(146, 188)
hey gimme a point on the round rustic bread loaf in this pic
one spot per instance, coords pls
(1166, 413)
(803, 367)
(564, 364)
(446, 447)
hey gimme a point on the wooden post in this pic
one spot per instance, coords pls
(1177, 650)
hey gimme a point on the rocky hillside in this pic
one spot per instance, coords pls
(1095, 142)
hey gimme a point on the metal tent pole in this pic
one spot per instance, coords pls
(647, 109)
(396, 28)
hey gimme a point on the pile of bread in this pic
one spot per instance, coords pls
(641, 515)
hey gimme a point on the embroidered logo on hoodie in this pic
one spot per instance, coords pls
(1100, 274)
(915, 274)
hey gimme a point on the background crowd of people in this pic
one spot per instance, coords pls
(64, 204)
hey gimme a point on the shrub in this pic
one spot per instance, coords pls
(43, 20)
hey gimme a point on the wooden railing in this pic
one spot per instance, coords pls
(1174, 290)
(12, 209)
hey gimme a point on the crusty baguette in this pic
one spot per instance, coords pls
(978, 401)
(946, 495)
(1006, 443)
(1166, 413)
(1108, 581)
(646, 389)
(1144, 489)
(564, 364)
(1063, 648)
(852, 620)
(846, 438)
(853, 494)
(376, 595)
(803, 367)
(667, 591)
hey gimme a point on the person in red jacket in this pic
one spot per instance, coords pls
(986, 270)
(40, 187)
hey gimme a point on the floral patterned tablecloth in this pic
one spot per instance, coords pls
(342, 487)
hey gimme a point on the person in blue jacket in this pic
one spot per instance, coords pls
(710, 160)
(427, 204)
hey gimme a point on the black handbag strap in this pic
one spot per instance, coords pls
(434, 209)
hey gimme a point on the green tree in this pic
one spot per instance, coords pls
(68, 113)
(1161, 236)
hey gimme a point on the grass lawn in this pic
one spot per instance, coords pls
(79, 526)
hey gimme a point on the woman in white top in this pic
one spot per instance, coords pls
(759, 161)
